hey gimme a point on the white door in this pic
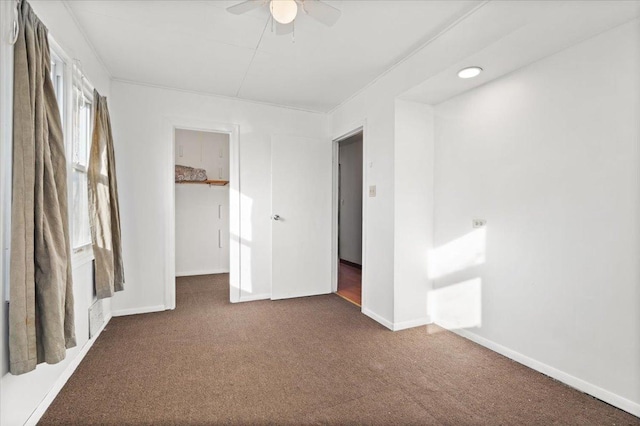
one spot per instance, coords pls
(301, 216)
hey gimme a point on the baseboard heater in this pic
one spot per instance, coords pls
(96, 318)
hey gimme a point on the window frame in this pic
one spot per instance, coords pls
(83, 254)
(77, 166)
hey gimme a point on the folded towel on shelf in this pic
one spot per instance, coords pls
(186, 173)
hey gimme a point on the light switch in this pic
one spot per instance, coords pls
(372, 191)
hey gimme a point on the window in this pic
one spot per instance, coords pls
(81, 141)
(75, 99)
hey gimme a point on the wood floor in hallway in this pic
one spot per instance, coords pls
(350, 282)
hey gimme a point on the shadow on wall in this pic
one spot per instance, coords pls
(457, 305)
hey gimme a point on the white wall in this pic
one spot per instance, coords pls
(414, 190)
(377, 274)
(375, 106)
(350, 247)
(544, 27)
(550, 157)
(22, 394)
(202, 211)
(143, 151)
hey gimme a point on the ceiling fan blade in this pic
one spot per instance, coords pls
(323, 12)
(245, 6)
(284, 29)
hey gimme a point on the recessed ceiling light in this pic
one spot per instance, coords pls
(469, 72)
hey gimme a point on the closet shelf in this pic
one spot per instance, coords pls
(206, 182)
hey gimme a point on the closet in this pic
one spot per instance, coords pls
(201, 202)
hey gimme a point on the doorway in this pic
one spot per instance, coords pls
(201, 200)
(350, 218)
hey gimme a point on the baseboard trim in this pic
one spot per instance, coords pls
(378, 318)
(350, 263)
(579, 384)
(396, 326)
(37, 414)
(203, 272)
(254, 297)
(403, 325)
(136, 311)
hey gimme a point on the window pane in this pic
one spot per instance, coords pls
(82, 128)
(81, 157)
(81, 230)
(88, 129)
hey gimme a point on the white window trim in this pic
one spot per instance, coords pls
(6, 147)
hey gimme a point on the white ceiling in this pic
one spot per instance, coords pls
(525, 32)
(199, 46)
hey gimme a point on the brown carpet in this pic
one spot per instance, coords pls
(301, 361)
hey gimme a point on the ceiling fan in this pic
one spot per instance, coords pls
(284, 12)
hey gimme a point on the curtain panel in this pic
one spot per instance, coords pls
(104, 209)
(41, 317)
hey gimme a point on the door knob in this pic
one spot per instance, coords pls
(275, 217)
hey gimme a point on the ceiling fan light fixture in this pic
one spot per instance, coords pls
(283, 11)
(469, 72)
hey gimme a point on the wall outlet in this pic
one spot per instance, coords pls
(372, 191)
(478, 223)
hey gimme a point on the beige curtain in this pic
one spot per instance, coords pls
(41, 291)
(104, 210)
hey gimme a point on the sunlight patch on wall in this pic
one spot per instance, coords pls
(457, 255)
(246, 229)
(457, 306)
(246, 224)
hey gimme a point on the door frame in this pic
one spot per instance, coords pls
(355, 128)
(233, 130)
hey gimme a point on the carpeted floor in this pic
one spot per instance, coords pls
(301, 361)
